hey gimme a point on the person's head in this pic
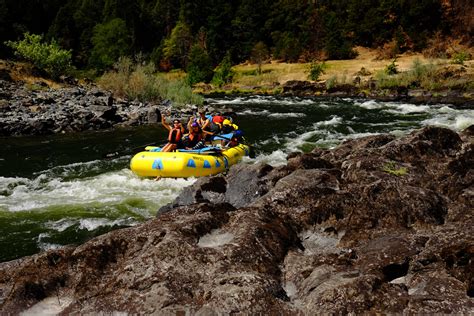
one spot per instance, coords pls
(176, 123)
(202, 113)
(195, 127)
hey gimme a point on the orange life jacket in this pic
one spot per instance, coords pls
(175, 135)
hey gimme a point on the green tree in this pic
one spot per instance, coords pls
(199, 67)
(223, 73)
(48, 57)
(110, 40)
(337, 45)
(177, 45)
(258, 55)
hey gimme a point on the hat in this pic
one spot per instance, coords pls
(227, 122)
(194, 124)
(238, 133)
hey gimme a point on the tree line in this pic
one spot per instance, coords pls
(170, 33)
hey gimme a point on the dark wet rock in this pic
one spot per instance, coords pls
(297, 87)
(376, 226)
(242, 185)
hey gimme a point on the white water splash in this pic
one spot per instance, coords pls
(108, 188)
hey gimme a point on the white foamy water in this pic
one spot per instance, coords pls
(393, 107)
(275, 158)
(264, 100)
(22, 194)
(455, 119)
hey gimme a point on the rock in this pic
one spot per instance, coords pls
(339, 231)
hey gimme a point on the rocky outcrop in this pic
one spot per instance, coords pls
(27, 110)
(377, 225)
(458, 97)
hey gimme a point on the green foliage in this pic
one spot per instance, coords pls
(391, 69)
(48, 57)
(177, 45)
(287, 46)
(223, 73)
(419, 76)
(138, 80)
(331, 82)
(316, 69)
(392, 168)
(110, 40)
(199, 67)
(292, 30)
(460, 57)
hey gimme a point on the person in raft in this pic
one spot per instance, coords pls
(196, 137)
(175, 134)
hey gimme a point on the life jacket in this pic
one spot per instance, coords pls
(218, 119)
(193, 138)
(175, 135)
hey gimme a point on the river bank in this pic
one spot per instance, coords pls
(37, 106)
(410, 77)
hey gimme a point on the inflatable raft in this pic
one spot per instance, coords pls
(186, 163)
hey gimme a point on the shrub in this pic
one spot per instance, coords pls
(199, 67)
(316, 69)
(391, 69)
(331, 82)
(48, 57)
(460, 57)
(223, 73)
(139, 81)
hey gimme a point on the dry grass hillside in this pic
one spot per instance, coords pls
(343, 69)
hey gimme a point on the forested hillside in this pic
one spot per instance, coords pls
(168, 31)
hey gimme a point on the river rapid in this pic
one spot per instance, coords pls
(58, 190)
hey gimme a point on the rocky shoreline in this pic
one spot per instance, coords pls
(42, 110)
(378, 225)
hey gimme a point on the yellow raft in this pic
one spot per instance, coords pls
(185, 164)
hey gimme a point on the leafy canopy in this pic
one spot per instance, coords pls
(51, 58)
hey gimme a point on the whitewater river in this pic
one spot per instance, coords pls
(59, 190)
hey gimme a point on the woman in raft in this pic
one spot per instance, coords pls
(196, 137)
(175, 134)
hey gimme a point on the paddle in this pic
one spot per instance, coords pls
(125, 151)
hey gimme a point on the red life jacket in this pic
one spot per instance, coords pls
(175, 135)
(218, 119)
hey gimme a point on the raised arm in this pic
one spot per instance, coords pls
(163, 121)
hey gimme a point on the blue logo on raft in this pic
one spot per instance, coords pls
(157, 164)
(226, 163)
(207, 164)
(217, 163)
(191, 163)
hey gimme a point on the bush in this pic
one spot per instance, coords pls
(223, 73)
(460, 57)
(199, 67)
(139, 81)
(391, 69)
(316, 69)
(51, 58)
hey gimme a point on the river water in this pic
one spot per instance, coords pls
(59, 190)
